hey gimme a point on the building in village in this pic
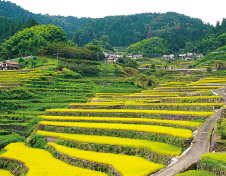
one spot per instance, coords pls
(182, 55)
(111, 58)
(139, 56)
(8, 65)
(171, 56)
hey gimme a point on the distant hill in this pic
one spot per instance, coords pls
(9, 26)
(12, 10)
(175, 28)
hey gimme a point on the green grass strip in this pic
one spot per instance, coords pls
(196, 173)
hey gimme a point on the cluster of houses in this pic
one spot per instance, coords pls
(186, 56)
(8, 65)
(112, 58)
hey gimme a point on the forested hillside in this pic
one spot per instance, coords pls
(11, 10)
(181, 33)
(175, 28)
(9, 26)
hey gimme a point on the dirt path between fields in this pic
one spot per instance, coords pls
(200, 146)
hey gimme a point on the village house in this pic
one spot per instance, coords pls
(171, 56)
(138, 56)
(187, 59)
(199, 56)
(182, 55)
(190, 54)
(112, 57)
(135, 56)
(110, 60)
(8, 65)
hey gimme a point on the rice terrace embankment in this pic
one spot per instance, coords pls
(162, 131)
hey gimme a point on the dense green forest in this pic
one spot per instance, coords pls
(9, 26)
(153, 47)
(69, 23)
(46, 40)
(179, 33)
(176, 29)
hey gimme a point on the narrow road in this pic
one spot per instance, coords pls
(200, 146)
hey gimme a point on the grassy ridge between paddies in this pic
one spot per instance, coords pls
(133, 111)
(176, 132)
(124, 164)
(218, 159)
(196, 173)
(42, 163)
(156, 147)
(5, 173)
(121, 119)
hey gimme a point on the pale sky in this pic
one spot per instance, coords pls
(207, 10)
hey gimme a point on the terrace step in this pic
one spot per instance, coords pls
(122, 165)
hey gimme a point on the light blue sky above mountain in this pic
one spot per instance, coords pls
(207, 10)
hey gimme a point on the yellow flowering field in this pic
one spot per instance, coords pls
(181, 90)
(133, 111)
(188, 87)
(156, 147)
(5, 173)
(42, 163)
(124, 164)
(176, 132)
(121, 119)
(164, 95)
(144, 104)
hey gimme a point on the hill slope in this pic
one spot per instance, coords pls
(11, 10)
(176, 28)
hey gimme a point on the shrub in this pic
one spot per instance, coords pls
(31, 125)
(8, 106)
(15, 94)
(36, 141)
(70, 74)
(60, 66)
(221, 128)
(84, 69)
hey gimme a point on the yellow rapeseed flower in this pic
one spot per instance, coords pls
(133, 111)
(124, 164)
(156, 147)
(42, 163)
(176, 132)
(121, 119)
(5, 173)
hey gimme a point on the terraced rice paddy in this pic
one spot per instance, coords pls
(41, 162)
(5, 173)
(114, 119)
(125, 165)
(123, 134)
(156, 147)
